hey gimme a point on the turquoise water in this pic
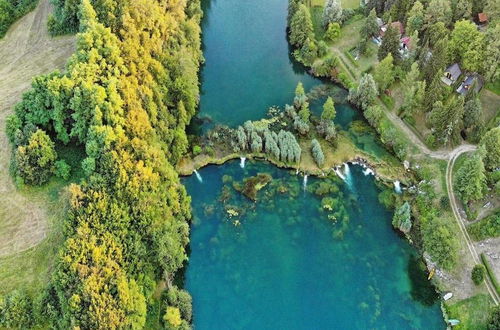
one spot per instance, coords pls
(288, 266)
(287, 261)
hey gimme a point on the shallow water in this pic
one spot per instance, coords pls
(288, 266)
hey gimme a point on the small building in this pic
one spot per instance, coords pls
(380, 22)
(482, 18)
(397, 25)
(404, 43)
(451, 74)
(470, 80)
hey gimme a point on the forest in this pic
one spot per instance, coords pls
(124, 100)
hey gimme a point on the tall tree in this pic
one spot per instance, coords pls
(438, 11)
(472, 112)
(329, 112)
(492, 53)
(446, 120)
(384, 73)
(370, 27)
(415, 20)
(364, 95)
(434, 92)
(433, 63)
(467, 45)
(293, 7)
(491, 144)
(402, 218)
(462, 9)
(414, 91)
(301, 27)
(390, 44)
(470, 181)
(332, 13)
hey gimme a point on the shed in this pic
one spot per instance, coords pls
(470, 80)
(482, 18)
(451, 74)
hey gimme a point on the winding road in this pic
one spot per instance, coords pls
(454, 206)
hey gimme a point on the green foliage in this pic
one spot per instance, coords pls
(16, 310)
(384, 73)
(415, 20)
(494, 319)
(317, 153)
(366, 92)
(446, 119)
(11, 10)
(196, 150)
(488, 227)
(390, 45)
(491, 273)
(438, 11)
(370, 27)
(470, 181)
(333, 31)
(307, 53)
(402, 218)
(173, 316)
(478, 273)
(414, 92)
(332, 12)
(467, 46)
(35, 161)
(329, 112)
(491, 143)
(62, 169)
(491, 57)
(301, 27)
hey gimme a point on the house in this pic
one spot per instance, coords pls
(451, 74)
(482, 18)
(470, 80)
(404, 43)
(397, 25)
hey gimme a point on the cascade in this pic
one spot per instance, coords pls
(242, 162)
(198, 176)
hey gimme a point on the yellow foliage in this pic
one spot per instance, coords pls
(173, 316)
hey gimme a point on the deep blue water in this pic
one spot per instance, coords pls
(282, 263)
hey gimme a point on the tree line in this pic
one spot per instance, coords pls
(126, 95)
(12, 10)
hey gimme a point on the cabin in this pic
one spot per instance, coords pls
(470, 80)
(397, 25)
(451, 74)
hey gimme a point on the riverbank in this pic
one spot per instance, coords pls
(344, 152)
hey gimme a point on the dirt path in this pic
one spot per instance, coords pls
(26, 51)
(470, 245)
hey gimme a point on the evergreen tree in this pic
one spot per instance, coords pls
(446, 119)
(332, 12)
(317, 153)
(492, 53)
(370, 27)
(470, 181)
(384, 73)
(435, 63)
(414, 91)
(472, 112)
(329, 112)
(402, 218)
(301, 27)
(293, 7)
(438, 11)
(467, 45)
(366, 92)
(390, 44)
(491, 144)
(462, 9)
(415, 20)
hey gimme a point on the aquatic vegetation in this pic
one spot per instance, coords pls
(252, 185)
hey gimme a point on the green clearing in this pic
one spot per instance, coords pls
(485, 228)
(471, 312)
(30, 270)
(494, 86)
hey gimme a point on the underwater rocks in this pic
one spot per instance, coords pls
(252, 185)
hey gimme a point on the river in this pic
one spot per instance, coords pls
(309, 254)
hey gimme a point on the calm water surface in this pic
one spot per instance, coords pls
(282, 262)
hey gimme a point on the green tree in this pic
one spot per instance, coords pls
(467, 45)
(472, 112)
(434, 63)
(415, 20)
(446, 119)
(384, 73)
(492, 53)
(402, 218)
(370, 27)
(494, 318)
(364, 95)
(491, 144)
(390, 45)
(173, 316)
(332, 12)
(478, 273)
(462, 9)
(35, 161)
(414, 91)
(333, 31)
(438, 11)
(301, 27)
(470, 181)
(317, 153)
(293, 7)
(329, 112)
(16, 310)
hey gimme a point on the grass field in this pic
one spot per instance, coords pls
(28, 216)
(471, 312)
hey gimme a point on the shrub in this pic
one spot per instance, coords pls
(333, 31)
(485, 228)
(477, 274)
(62, 169)
(196, 150)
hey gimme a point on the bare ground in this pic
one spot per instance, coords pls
(26, 51)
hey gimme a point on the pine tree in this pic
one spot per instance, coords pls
(301, 27)
(329, 112)
(390, 44)
(470, 181)
(402, 218)
(366, 92)
(384, 73)
(370, 27)
(415, 20)
(491, 144)
(472, 112)
(317, 153)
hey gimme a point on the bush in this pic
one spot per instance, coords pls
(15, 310)
(62, 169)
(477, 274)
(333, 31)
(196, 150)
(488, 227)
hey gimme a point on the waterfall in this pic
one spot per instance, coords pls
(304, 184)
(397, 186)
(198, 176)
(242, 162)
(348, 176)
(340, 175)
(368, 171)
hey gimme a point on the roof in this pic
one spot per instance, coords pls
(405, 40)
(468, 81)
(482, 17)
(397, 25)
(454, 71)
(379, 21)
